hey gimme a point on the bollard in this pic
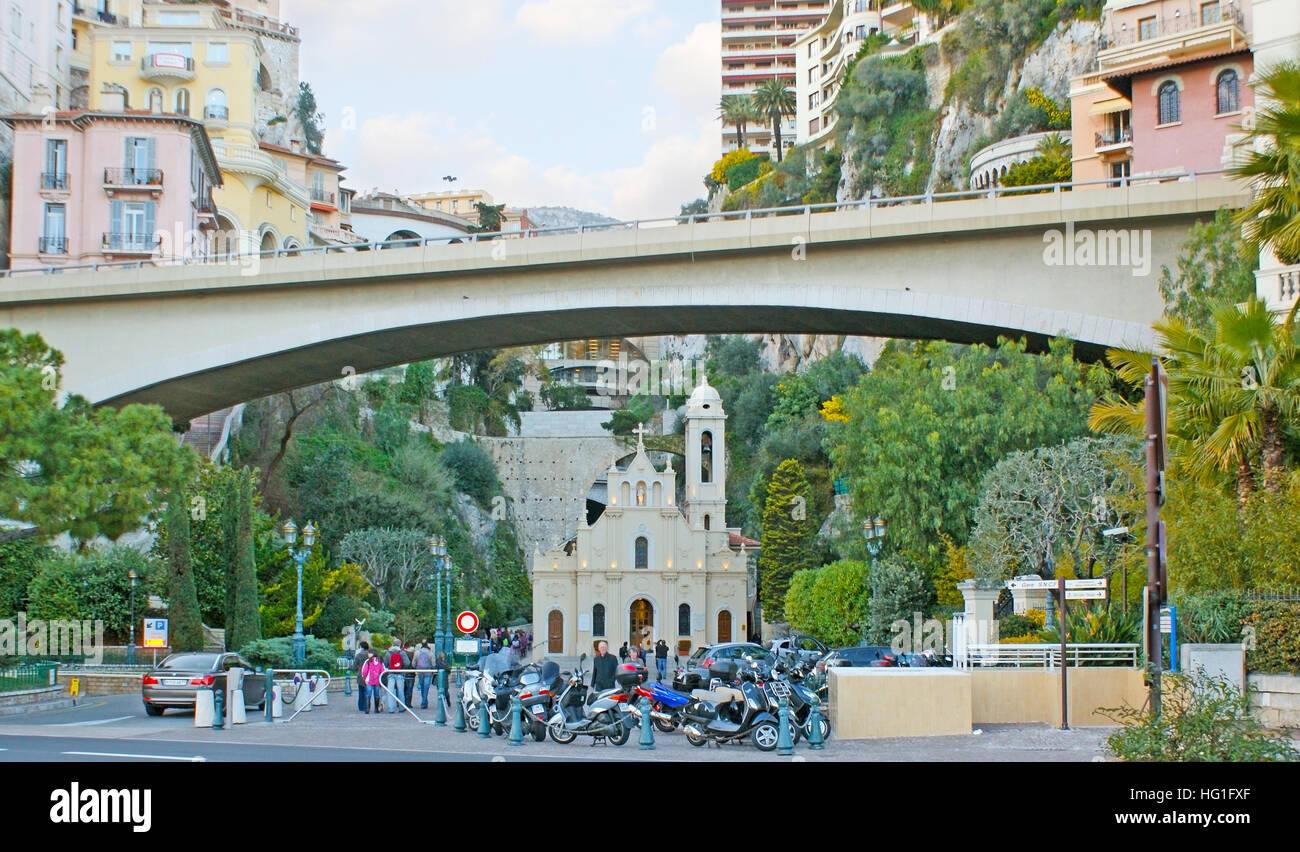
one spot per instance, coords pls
(218, 708)
(815, 741)
(647, 731)
(269, 696)
(784, 743)
(460, 727)
(347, 682)
(440, 715)
(516, 725)
(483, 721)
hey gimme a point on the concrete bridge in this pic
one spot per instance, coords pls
(199, 338)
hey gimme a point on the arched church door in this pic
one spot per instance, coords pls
(641, 621)
(555, 632)
(724, 626)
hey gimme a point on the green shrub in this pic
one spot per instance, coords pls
(1275, 646)
(719, 171)
(1096, 624)
(746, 171)
(475, 472)
(1011, 626)
(1201, 719)
(278, 653)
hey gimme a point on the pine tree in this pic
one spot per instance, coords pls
(788, 534)
(185, 623)
(246, 624)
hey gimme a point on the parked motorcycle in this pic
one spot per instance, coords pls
(667, 706)
(602, 716)
(538, 686)
(799, 699)
(731, 713)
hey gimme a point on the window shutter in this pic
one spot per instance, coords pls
(115, 220)
(151, 153)
(149, 215)
(128, 154)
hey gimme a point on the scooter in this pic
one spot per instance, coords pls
(799, 699)
(732, 714)
(666, 706)
(538, 686)
(601, 717)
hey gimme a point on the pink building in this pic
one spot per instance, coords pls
(1170, 92)
(99, 186)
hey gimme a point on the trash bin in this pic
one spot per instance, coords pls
(203, 708)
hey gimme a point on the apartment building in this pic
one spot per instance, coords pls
(35, 54)
(461, 202)
(823, 52)
(1171, 92)
(758, 39)
(110, 186)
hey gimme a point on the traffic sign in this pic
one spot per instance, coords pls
(1084, 594)
(155, 633)
(1086, 583)
(467, 622)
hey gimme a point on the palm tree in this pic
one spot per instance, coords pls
(738, 110)
(1273, 166)
(774, 101)
(1233, 390)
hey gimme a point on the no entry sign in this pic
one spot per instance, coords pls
(467, 622)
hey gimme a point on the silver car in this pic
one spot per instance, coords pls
(177, 679)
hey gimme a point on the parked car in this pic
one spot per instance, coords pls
(177, 679)
(862, 656)
(802, 646)
(695, 674)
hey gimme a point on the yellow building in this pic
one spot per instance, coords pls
(205, 61)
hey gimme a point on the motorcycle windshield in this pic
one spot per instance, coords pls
(498, 664)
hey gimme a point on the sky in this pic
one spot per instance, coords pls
(605, 105)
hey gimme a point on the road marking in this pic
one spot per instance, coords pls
(92, 722)
(195, 759)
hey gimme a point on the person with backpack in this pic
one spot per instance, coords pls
(396, 682)
(408, 657)
(424, 660)
(370, 672)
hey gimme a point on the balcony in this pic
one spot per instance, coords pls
(256, 163)
(53, 245)
(260, 23)
(1112, 140)
(54, 180)
(167, 66)
(126, 180)
(115, 243)
(212, 112)
(80, 11)
(1278, 286)
(1176, 38)
(322, 200)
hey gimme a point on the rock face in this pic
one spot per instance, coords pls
(565, 217)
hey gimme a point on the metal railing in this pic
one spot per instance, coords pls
(54, 180)
(28, 676)
(1049, 655)
(53, 245)
(1101, 140)
(322, 196)
(138, 243)
(309, 683)
(1167, 25)
(690, 220)
(133, 177)
(217, 113)
(151, 63)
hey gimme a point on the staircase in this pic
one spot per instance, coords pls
(210, 433)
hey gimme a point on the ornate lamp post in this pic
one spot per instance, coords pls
(130, 649)
(874, 532)
(438, 551)
(299, 555)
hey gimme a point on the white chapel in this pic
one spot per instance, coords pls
(647, 568)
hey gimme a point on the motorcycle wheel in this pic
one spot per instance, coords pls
(621, 733)
(561, 736)
(695, 739)
(764, 736)
(471, 719)
(539, 731)
(664, 727)
(498, 729)
(825, 725)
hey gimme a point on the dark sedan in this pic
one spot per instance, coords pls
(695, 674)
(179, 677)
(865, 656)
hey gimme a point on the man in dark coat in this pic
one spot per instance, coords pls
(603, 667)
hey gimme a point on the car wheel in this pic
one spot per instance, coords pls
(151, 710)
(764, 736)
(560, 735)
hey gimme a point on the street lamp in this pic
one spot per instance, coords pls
(438, 551)
(873, 530)
(299, 555)
(130, 650)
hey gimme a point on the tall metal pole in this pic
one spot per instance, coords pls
(1065, 696)
(130, 651)
(448, 649)
(299, 641)
(437, 633)
(1155, 437)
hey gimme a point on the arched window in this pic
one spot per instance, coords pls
(182, 101)
(706, 457)
(1168, 97)
(598, 620)
(1227, 98)
(215, 105)
(684, 620)
(642, 552)
(706, 522)
(155, 99)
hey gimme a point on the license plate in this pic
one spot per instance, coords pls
(172, 681)
(622, 705)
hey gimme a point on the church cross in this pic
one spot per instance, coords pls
(639, 431)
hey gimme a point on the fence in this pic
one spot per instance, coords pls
(27, 676)
(1049, 655)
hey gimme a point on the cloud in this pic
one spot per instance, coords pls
(413, 32)
(580, 21)
(689, 73)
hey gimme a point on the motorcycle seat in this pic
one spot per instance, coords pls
(721, 695)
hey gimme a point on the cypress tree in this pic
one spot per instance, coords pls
(227, 500)
(788, 534)
(246, 623)
(184, 621)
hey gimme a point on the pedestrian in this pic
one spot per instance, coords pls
(359, 660)
(370, 672)
(661, 658)
(424, 660)
(396, 686)
(634, 656)
(443, 666)
(408, 681)
(603, 668)
(622, 652)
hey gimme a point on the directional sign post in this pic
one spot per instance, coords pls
(1085, 594)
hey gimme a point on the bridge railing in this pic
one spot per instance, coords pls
(634, 224)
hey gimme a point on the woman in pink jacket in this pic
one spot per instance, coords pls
(370, 672)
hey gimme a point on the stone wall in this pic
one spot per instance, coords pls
(1277, 703)
(280, 57)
